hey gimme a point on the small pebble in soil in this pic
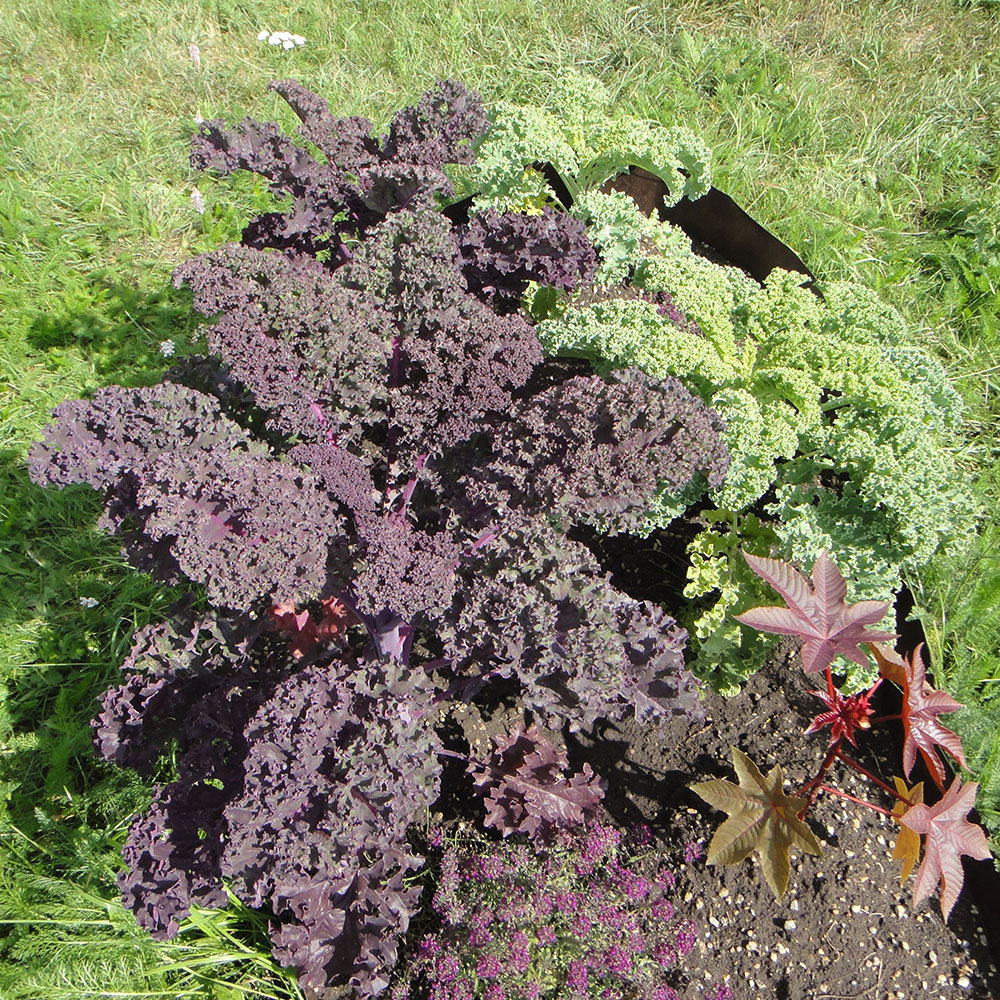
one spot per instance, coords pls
(964, 982)
(790, 925)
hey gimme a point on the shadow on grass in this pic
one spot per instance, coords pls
(123, 330)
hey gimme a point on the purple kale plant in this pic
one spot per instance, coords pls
(375, 498)
(595, 916)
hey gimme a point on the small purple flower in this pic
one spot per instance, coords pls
(461, 989)
(429, 946)
(618, 960)
(546, 935)
(665, 877)
(663, 909)
(480, 936)
(581, 926)
(692, 852)
(493, 867)
(494, 992)
(612, 917)
(566, 902)
(664, 992)
(532, 991)
(686, 937)
(488, 967)
(445, 968)
(665, 955)
(576, 977)
(519, 954)
(635, 887)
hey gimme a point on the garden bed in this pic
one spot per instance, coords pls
(845, 928)
(383, 446)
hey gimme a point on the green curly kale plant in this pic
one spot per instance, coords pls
(842, 431)
(578, 134)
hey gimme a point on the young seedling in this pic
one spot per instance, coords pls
(764, 819)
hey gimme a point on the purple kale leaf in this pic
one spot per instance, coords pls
(453, 361)
(168, 867)
(346, 142)
(340, 763)
(169, 668)
(597, 451)
(354, 933)
(201, 494)
(539, 608)
(526, 790)
(362, 179)
(502, 253)
(440, 128)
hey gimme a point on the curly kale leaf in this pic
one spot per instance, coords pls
(597, 451)
(197, 489)
(362, 179)
(575, 132)
(502, 253)
(527, 791)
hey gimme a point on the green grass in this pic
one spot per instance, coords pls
(863, 133)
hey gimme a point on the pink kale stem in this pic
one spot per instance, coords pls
(412, 484)
(861, 802)
(321, 417)
(850, 762)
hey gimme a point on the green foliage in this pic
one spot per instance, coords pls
(957, 600)
(963, 261)
(839, 429)
(575, 130)
(60, 937)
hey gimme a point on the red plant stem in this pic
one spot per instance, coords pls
(861, 802)
(812, 785)
(871, 777)
(829, 681)
(874, 720)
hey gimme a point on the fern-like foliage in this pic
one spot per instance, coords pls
(958, 603)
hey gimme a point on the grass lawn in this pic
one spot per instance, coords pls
(864, 133)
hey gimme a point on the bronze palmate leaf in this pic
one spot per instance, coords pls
(762, 818)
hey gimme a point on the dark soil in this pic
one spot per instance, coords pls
(845, 928)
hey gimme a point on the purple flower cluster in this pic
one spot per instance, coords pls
(582, 919)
